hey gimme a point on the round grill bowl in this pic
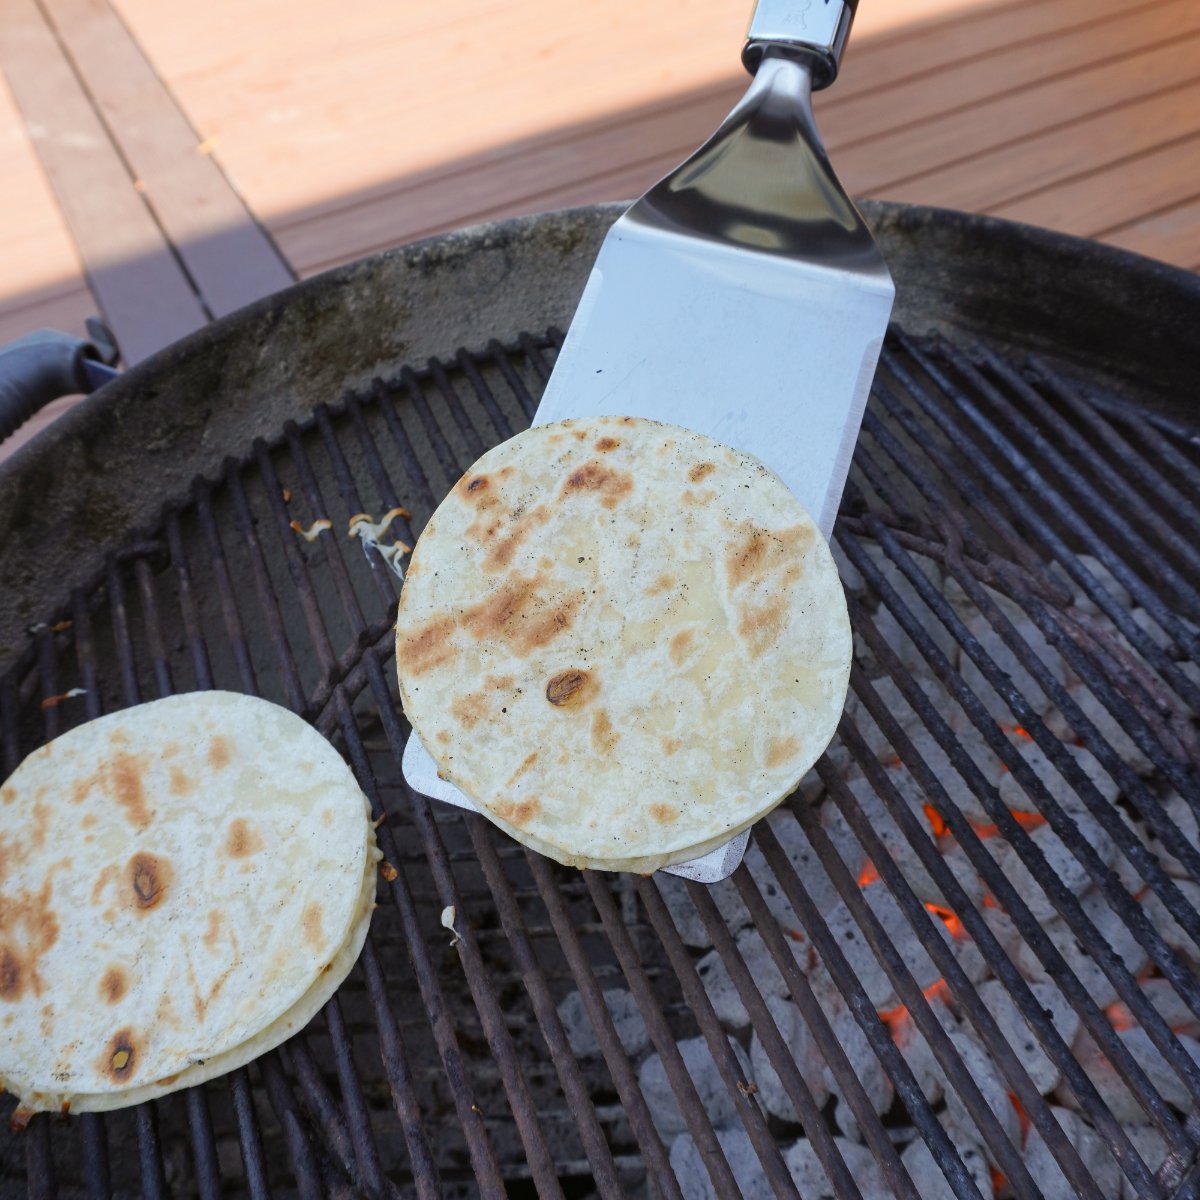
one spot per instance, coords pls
(1036, 403)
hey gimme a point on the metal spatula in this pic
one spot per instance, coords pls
(743, 297)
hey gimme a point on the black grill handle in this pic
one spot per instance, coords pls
(42, 366)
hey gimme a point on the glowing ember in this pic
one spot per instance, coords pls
(939, 826)
(953, 925)
(1022, 1116)
(999, 1183)
(868, 875)
(1029, 821)
(1119, 1016)
(898, 1020)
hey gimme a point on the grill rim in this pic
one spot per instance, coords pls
(998, 281)
(122, 592)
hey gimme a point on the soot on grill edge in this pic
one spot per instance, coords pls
(963, 957)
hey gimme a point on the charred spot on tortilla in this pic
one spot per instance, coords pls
(148, 876)
(569, 688)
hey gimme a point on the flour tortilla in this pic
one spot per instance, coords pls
(624, 641)
(182, 886)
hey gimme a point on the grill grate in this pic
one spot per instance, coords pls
(1002, 530)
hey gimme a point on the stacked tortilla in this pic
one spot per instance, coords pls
(623, 640)
(182, 886)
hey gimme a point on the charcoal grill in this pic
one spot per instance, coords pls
(1018, 543)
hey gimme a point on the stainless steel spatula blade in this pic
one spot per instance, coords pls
(742, 297)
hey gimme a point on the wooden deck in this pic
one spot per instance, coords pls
(167, 162)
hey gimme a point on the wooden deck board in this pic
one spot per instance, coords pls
(131, 268)
(41, 277)
(228, 257)
(346, 129)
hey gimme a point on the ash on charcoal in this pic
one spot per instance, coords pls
(687, 919)
(803, 858)
(991, 1084)
(1173, 1009)
(1047, 1174)
(867, 1069)
(1172, 932)
(694, 1180)
(914, 1047)
(715, 1098)
(1006, 660)
(1107, 581)
(929, 1179)
(726, 1001)
(1184, 818)
(1005, 932)
(1110, 930)
(1060, 861)
(906, 649)
(799, 1040)
(1042, 1071)
(627, 1020)
(1149, 1143)
(813, 1184)
(893, 700)
(1107, 726)
(1014, 796)
(1112, 1089)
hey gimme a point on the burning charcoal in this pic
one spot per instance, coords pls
(860, 956)
(726, 1000)
(1110, 929)
(1107, 580)
(990, 1082)
(722, 992)
(1006, 660)
(906, 649)
(1172, 932)
(1060, 861)
(928, 1178)
(1110, 1085)
(867, 1069)
(694, 1180)
(970, 742)
(1014, 796)
(1098, 1162)
(964, 872)
(804, 861)
(714, 1095)
(1181, 813)
(914, 1046)
(1169, 1004)
(1149, 1143)
(893, 700)
(627, 1020)
(1107, 726)
(1006, 933)
(1042, 1071)
(687, 919)
(799, 1040)
(813, 1184)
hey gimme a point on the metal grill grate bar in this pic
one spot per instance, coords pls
(953, 438)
